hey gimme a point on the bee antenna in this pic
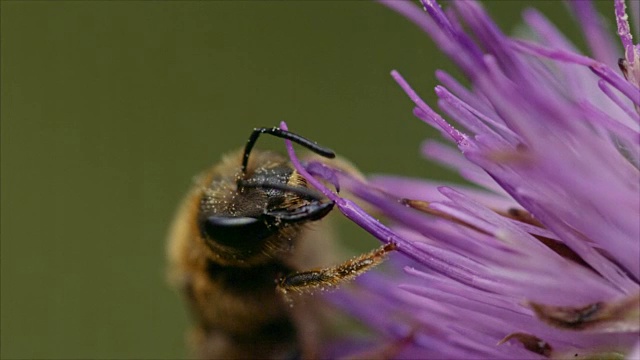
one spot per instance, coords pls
(275, 131)
(306, 193)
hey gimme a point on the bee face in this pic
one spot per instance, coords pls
(250, 210)
(251, 222)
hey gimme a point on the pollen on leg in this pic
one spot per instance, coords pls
(309, 281)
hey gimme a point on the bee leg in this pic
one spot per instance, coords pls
(308, 281)
(312, 212)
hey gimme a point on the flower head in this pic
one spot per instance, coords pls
(542, 257)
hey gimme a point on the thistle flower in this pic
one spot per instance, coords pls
(542, 257)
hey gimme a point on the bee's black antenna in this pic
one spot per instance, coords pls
(275, 131)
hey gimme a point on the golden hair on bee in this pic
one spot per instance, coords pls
(237, 246)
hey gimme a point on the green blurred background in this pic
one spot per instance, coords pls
(109, 109)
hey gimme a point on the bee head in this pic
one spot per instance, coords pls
(264, 208)
(262, 215)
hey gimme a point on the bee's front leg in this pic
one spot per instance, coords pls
(308, 281)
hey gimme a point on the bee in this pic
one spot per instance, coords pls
(239, 244)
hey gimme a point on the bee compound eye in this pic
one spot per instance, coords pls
(235, 231)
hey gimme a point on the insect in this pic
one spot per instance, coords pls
(240, 241)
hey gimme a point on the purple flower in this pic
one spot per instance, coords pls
(542, 257)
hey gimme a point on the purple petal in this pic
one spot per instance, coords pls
(599, 41)
(455, 135)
